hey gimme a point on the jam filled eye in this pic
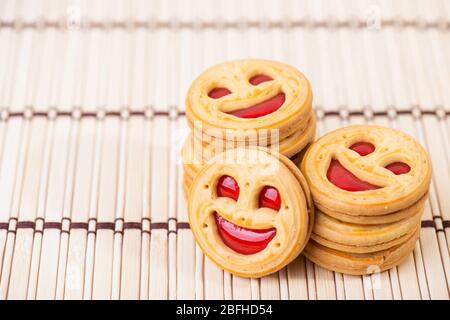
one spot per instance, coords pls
(398, 168)
(259, 78)
(228, 187)
(217, 93)
(363, 148)
(269, 197)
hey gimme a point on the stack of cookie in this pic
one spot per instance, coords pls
(369, 185)
(247, 103)
(251, 216)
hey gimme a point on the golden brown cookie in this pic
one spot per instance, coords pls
(366, 170)
(357, 238)
(377, 219)
(205, 147)
(187, 182)
(195, 153)
(360, 263)
(247, 96)
(250, 211)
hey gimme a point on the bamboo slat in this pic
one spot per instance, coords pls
(92, 123)
(104, 238)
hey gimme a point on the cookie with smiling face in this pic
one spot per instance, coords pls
(250, 211)
(366, 170)
(247, 103)
(369, 185)
(247, 96)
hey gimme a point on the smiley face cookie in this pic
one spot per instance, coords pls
(247, 103)
(369, 185)
(248, 95)
(366, 170)
(250, 211)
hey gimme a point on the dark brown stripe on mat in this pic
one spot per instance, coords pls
(79, 225)
(383, 113)
(89, 114)
(52, 225)
(132, 225)
(159, 225)
(179, 226)
(130, 25)
(356, 113)
(105, 225)
(93, 114)
(162, 113)
(331, 113)
(26, 225)
(404, 112)
(112, 113)
(438, 112)
(138, 113)
(418, 112)
(428, 224)
(40, 114)
(153, 226)
(183, 225)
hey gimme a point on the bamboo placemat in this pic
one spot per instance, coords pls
(92, 121)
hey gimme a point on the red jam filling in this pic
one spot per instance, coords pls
(398, 168)
(228, 187)
(243, 240)
(363, 148)
(269, 197)
(262, 108)
(344, 179)
(217, 93)
(259, 78)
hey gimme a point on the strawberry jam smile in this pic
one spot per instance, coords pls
(261, 109)
(346, 180)
(243, 240)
